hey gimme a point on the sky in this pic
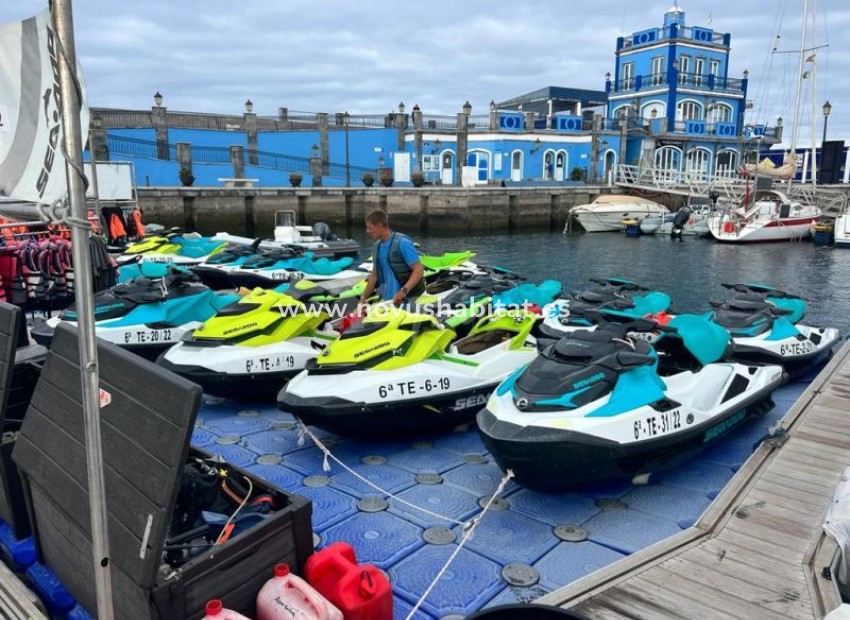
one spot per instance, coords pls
(366, 57)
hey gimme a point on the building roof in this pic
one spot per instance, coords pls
(587, 98)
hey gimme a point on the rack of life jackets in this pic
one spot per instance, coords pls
(122, 225)
(36, 265)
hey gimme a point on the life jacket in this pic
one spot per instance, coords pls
(400, 269)
(137, 222)
(116, 228)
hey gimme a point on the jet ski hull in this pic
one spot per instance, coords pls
(796, 354)
(375, 419)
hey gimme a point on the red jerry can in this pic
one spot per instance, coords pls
(359, 591)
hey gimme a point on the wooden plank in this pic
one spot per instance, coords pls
(790, 464)
(669, 601)
(599, 610)
(760, 570)
(773, 548)
(767, 505)
(786, 602)
(800, 480)
(755, 529)
(611, 606)
(702, 595)
(818, 451)
(823, 592)
(823, 437)
(800, 501)
(17, 602)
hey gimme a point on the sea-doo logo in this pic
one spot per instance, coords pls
(370, 349)
(589, 380)
(469, 402)
(238, 329)
(522, 403)
(52, 104)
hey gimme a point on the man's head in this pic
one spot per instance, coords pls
(378, 225)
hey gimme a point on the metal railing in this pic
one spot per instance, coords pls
(279, 161)
(655, 81)
(133, 147)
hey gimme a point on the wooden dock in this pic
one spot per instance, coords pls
(759, 550)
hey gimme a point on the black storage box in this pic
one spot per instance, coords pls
(145, 430)
(19, 371)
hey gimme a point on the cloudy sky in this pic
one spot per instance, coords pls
(365, 57)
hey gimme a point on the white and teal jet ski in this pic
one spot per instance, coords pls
(601, 404)
(147, 314)
(765, 327)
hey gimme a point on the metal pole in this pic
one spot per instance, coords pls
(347, 165)
(93, 153)
(64, 23)
(823, 140)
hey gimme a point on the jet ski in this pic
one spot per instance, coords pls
(400, 372)
(765, 327)
(601, 404)
(172, 247)
(269, 268)
(148, 314)
(250, 348)
(215, 271)
(620, 299)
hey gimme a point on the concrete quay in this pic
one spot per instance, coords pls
(250, 211)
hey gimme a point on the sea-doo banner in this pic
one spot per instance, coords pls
(32, 166)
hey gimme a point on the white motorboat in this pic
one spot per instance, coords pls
(842, 229)
(769, 216)
(607, 213)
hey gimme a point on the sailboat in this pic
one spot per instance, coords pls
(768, 214)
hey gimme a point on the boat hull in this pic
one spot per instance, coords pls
(609, 217)
(774, 230)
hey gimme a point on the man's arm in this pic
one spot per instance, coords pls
(371, 281)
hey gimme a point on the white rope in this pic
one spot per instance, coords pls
(467, 535)
(326, 467)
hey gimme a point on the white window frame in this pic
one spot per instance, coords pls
(657, 70)
(699, 67)
(684, 61)
(688, 110)
(714, 67)
(628, 75)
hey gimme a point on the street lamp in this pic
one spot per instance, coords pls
(249, 106)
(467, 108)
(157, 99)
(314, 150)
(827, 108)
(536, 146)
(346, 117)
(437, 144)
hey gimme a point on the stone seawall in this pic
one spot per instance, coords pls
(250, 211)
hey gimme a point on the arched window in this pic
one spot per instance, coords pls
(688, 111)
(727, 163)
(698, 164)
(718, 113)
(668, 162)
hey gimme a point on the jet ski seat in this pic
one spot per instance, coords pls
(482, 341)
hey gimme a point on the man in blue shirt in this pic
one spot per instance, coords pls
(396, 268)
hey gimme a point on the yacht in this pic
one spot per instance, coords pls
(607, 213)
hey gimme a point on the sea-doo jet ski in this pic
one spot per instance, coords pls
(271, 267)
(617, 296)
(601, 404)
(215, 272)
(173, 247)
(764, 323)
(148, 314)
(398, 372)
(250, 348)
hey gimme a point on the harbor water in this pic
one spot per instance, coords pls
(691, 271)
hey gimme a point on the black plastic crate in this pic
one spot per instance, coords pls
(19, 371)
(145, 431)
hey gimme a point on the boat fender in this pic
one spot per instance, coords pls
(728, 227)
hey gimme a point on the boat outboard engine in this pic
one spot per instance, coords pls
(679, 220)
(322, 231)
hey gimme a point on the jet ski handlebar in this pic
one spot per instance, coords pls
(622, 285)
(754, 288)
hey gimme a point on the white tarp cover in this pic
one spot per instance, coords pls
(32, 167)
(837, 525)
(114, 181)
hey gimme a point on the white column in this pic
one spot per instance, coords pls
(805, 166)
(846, 167)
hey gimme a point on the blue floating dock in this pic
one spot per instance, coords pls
(18, 554)
(56, 598)
(466, 586)
(606, 521)
(378, 538)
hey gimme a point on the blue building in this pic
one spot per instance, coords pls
(669, 105)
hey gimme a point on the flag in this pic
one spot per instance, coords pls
(32, 167)
(806, 75)
(811, 58)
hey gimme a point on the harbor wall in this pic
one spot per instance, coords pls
(250, 211)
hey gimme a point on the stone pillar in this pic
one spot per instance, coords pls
(237, 158)
(400, 122)
(529, 121)
(624, 136)
(159, 117)
(99, 145)
(462, 145)
(283, 118)
(494, 117)
(594, 148)
(250, 124)
(184, 155)
(316, 170)
(322, 121)
(417, 138)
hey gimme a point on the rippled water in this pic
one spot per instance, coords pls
(690, 271)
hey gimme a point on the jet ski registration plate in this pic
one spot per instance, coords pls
(149, 336)
(270, 363)
(797, 348)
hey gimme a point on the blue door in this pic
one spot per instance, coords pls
(481, 161)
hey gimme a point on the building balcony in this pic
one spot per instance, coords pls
(662, 81)
(653, 36)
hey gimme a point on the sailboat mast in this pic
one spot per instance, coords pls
(89, 374)
(814, 78)
(795, 134)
